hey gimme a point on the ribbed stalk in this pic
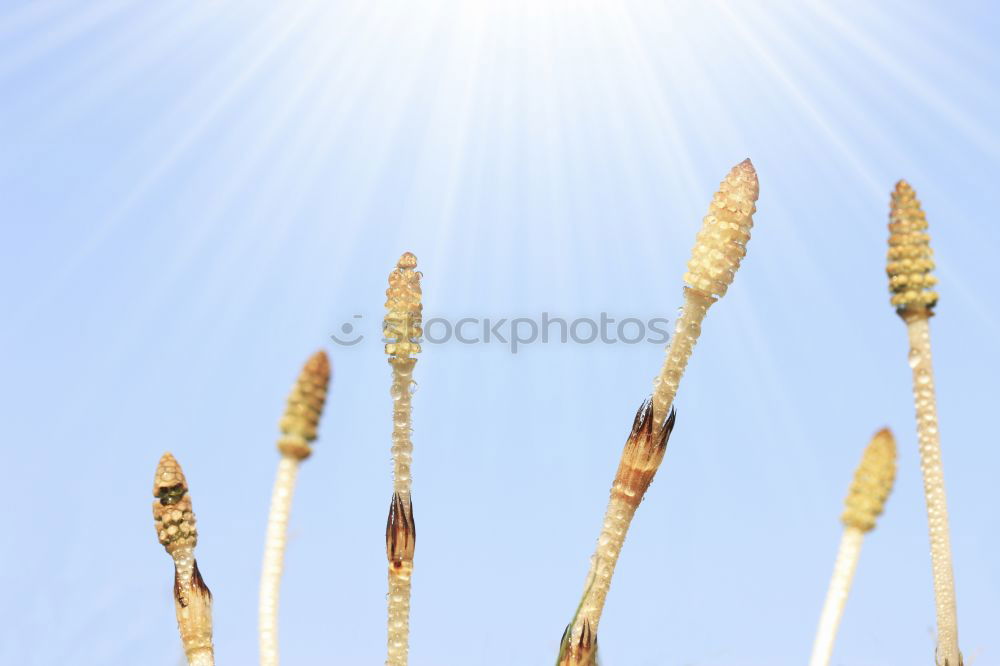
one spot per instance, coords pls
(929, 440)
(836, 596)
(399, 614)
(686, 332)
(274, 558)
(643, 453)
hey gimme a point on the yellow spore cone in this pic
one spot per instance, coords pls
(872, 482)
(722, 242)
(305, 405)
(401, 326)
(910, 258)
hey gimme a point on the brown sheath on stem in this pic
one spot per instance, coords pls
(643, 453)
(579, 652)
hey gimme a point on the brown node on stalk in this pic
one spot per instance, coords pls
(582, 652)
(197, 582)
(642, 456)
(400, 531)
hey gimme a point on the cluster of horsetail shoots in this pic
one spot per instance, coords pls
(865, 501)
(298, 430)
(909, 268)
(402, 332)
(175, 526)
(719, 248)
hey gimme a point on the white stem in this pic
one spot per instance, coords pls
(201, 658)
(399, 615)
(402, 455)
(402, 424)
(193, 606)
(686, 333)
(937, 505)
(274, 558)
(836, 595)
(617, 519)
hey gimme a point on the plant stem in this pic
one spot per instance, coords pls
(686, 332)
(929, 440)
(836, 596)
(640, 459)
(400, 540)
(274, 558)
(400, 515)
(193, 605)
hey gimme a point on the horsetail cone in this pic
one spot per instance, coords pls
(174, 521)
(722, 242)
(305, 405)
(910, 258)
(872, 483)
(719, 248)
(173, 516)
(401, 326)
(402, 331)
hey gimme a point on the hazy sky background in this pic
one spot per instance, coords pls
(196, 195)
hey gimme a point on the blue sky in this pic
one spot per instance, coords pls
(196, 195)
